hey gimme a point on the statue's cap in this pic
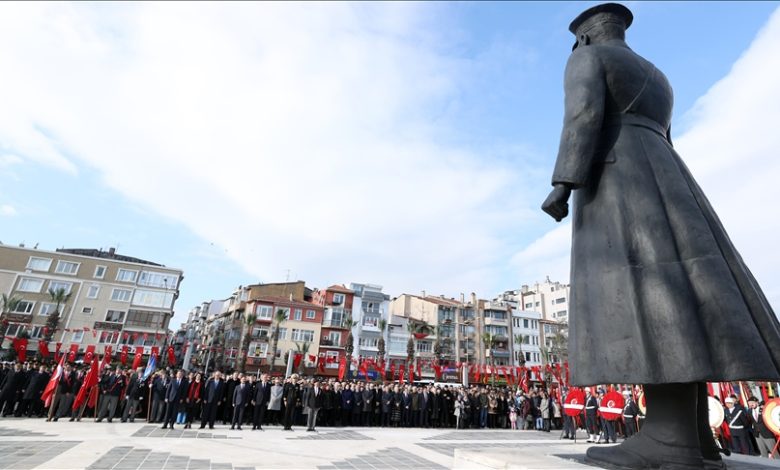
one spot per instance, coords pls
(608, 9)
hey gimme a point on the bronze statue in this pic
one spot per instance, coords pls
(659, 295)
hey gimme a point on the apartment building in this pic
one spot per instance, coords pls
(549, 298)
(370, 306)
(337, 303)
(114, 299)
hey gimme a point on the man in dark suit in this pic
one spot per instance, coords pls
(212, 398)
(12, 384)
(32, 394)
(407, 408)
(158, 385)
(111, 387)
(260, 401)
(174, 397)
(133, 395)
(312, 399)
(240, 399)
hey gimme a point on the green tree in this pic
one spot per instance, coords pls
(349, 348)
(246, 339)
(7, 305)
(519, 348)
(279, 318)
(60, 297)
(381, 343)
(489, 340)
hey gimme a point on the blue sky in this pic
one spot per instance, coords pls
(407, 145)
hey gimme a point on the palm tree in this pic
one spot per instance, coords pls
(279, 318)
(60, 297)
(381, 343)
(7, 305)
(410, 349)
(246, 339)
(519, 346)
(349, 348)
(303, 348)
(489, 341)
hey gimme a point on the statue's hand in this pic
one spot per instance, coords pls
(556, 203)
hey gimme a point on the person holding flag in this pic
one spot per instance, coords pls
(82, 397)
(134, 393)
(49, 394)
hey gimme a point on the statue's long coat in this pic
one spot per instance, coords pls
(659, 294)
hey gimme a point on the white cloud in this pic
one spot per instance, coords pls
(295, 136)
(731, 146)
(7, 210)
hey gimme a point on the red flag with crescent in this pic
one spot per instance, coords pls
(43, 348)
(123, 355)
(611, 406)
(574, 402)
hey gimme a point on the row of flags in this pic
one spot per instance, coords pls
(89, 389)
(20, 346)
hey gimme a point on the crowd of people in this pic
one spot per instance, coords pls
(177, 398)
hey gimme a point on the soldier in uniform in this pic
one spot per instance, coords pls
(739, 424)
(291, 397)
(630, 412)
(133, 396)
(654, 275)
(112, 388)
(591, 419)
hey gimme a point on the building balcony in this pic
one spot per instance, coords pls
(496, 321)
(370, 327)
(369, 347)
(325, 342)
(330, 323)
(373, 311)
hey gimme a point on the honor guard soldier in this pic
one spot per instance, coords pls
(630, 413)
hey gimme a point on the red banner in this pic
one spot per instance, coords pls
(89, 354)
(297, 358)
(171, 356)
(123, 355)
(20, 346)
(342, 367)
(74, 350)
(57, 348)
(139, 352)
(43, 348)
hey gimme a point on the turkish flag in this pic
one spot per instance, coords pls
(123, 355)
(171, 356)
(401, 374)
(312, 358)
(297, 358)
(139, 352)
(20, 346)
(43, 348)
(107, 351)
(48, 392)
(342, 367)
(57, 348)
(364, 369)
(392, 371)
(89, 353)
(437, 369)
(92, 378)
(155, 351)
(74, 349)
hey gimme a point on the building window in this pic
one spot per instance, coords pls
(121, 295)
(27, 284)
(282, 333)
(56, 286)
(12, 330)
(371, 321)
(46, 309)
(145, 319)
(86, 310)
(126, 275)
(334, 338)
(560, 300)
(298, 314)
(93, 291)
(331, 359)
(39, 264)
(258, 349)
(527, 356)
(368, 342)
(286, 311)
(302, 335)
(36, 332)
(338, 299)
(525, 323)
(423, 346)
(24, 306)
(77, 336)
(529, 305)
(264, 312)
(311, 314)
(260, 332)
(156, 299)
(115, 316)
(109, 337)
(67, 267)
(100, 272)
(562, 313)
(154, 279)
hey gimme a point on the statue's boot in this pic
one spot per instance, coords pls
(669, 439)
(709, 450)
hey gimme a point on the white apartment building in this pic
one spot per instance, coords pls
(370, 305)
(549, 298)
(526, 338)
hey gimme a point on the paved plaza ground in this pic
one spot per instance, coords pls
(36, 444)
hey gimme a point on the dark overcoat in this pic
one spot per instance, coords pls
(658, 292)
